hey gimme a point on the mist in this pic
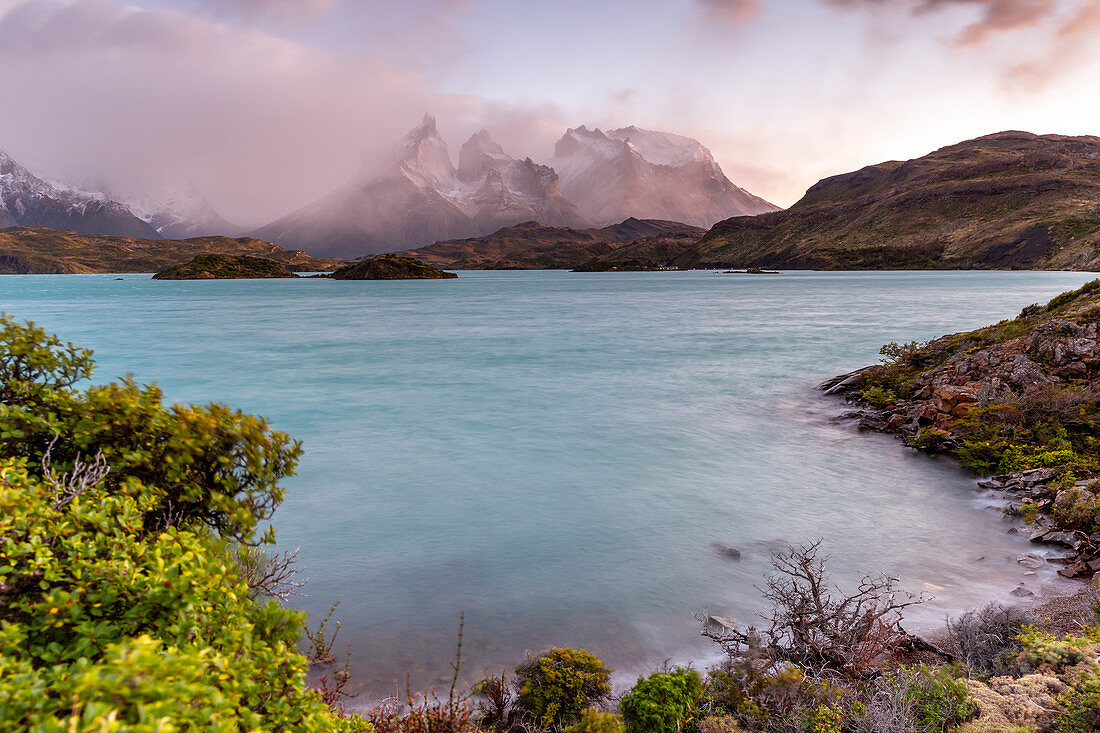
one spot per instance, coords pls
(266, 105)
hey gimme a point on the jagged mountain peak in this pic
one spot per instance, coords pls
(422, 155)
(480, 154)
(632, 171)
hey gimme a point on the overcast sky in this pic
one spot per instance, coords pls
(266, 104)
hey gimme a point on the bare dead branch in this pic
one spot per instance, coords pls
(813, 623)
(275, 576)
(83, 476)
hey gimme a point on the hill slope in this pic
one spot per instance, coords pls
(1007, 200)
(535, 246)
(38, 250)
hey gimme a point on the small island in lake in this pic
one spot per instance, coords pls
(225, 267)
(390, 267)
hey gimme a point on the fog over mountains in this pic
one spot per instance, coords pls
(631, 172)
(595, 179)
(27, 200)
(421, 198)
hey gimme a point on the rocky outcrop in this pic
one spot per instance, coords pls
(390, 267)
(1019, 400)
(225, 267)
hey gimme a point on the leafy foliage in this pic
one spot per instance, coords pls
(121, 606)
(664, 701)
(595, 721)
(556, 686)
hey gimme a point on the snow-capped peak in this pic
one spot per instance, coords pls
(479, 154)
(662, 148)
(422, 154)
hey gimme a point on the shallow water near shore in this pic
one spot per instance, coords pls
(555, 454)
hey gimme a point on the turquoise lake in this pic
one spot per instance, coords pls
(555, 454)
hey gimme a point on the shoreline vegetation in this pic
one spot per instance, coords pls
(137, 593)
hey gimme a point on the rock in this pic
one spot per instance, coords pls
(225, 267)
(720, 624)
(1039, 533)
(990, 484)
(1030, 560)
(390, 267)
(949, 399)
(1060, 538)
(844, 381)
(1013, 530)
(1037, 475)
(726, 551)
(1022, 592)
(1079, 569)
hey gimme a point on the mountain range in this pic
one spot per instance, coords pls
(27, 200)
(421, 197)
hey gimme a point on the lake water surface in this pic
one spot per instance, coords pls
(554, 453)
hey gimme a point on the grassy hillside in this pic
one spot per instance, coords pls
(38, 250)
(535, 246)
(1008, 200)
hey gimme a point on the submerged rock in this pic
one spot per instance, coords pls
(726, 551)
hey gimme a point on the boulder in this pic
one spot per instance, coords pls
(1030, 560)
(726, 551)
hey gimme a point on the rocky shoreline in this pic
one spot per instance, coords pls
(1016, 404)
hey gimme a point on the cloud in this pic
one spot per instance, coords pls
(260, 124)
(995, 16)
(731, 11)
(1073, 39)
(279, 10)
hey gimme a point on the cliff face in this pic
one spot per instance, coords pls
(1008, 200)
(1019, 400)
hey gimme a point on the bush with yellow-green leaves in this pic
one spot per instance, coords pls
(121, 604)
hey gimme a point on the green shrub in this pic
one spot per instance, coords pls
(1080, 707)
(940, 702)
(1041, 649)
(594, 721)
(1066, 298)
(1078, 506)
(120, 606)
(878, 397)
(895, 353)
(555, 687)
(664, 701)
